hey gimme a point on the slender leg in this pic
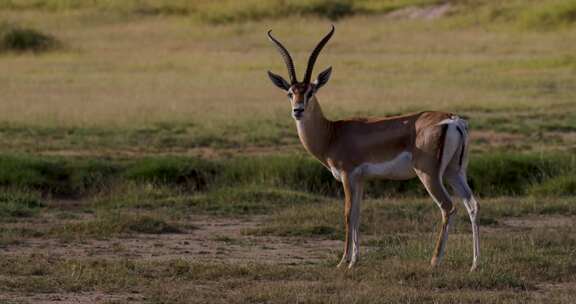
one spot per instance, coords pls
(460, 185)
(357, 193)
(437, 191)
(347, 217)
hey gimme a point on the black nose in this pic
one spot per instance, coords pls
(297, 113)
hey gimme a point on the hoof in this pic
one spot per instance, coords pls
(351, 265)
(474, 267)
(434, 262)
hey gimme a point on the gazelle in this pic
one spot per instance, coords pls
(432, 146)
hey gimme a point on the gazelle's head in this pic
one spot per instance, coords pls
(299, 93)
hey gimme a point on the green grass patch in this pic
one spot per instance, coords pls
(225, 11)
(564, 185)
(493, 174)
(249, 200)
(190, 173)
(15, 235)
(239, 200)
(513, 174)
(55, 176)
(108, 224)
(537, 15)
(14, 204)
(549, 15)
(395, 218)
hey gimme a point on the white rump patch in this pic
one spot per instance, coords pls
(455, 120)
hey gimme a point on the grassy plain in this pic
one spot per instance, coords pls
(161, 82)
(147, 158)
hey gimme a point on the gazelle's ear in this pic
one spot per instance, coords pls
(279, 81)
(322, 78)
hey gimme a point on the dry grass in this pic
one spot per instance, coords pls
(131, 72)
(526, 257)
(170, 84)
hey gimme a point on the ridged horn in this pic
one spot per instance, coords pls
(286, 56)
(314, 55)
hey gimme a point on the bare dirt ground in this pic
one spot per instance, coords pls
(212, 239)
(70, 298)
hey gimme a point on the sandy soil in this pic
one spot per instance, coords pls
(215, 239)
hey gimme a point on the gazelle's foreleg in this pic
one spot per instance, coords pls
(347, 213)
(352, 195)
(357, 192)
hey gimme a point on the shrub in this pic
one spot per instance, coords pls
(331, 9)
(19, 39)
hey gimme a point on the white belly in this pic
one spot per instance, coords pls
(398, 168)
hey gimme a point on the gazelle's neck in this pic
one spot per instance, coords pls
(314, 130)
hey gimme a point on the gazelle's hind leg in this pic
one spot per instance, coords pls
(456, 177)
(458, 182)
(436, 189)
(430, 164)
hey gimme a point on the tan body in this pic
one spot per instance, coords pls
(432, 146)
(420, 145)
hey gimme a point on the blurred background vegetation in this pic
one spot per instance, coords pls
(139, 117)
(139, 78)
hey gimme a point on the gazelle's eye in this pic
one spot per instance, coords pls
(290, 95)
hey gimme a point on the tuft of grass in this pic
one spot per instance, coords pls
(305, 220)
(19, 203)
(297, 172)
(109, 224)
(14, 235)
(548, 15)
(512, 174)
(249, 200)
(150, 225)
(564, 185)
(189, 173)
(55, 176)
(21, 39)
